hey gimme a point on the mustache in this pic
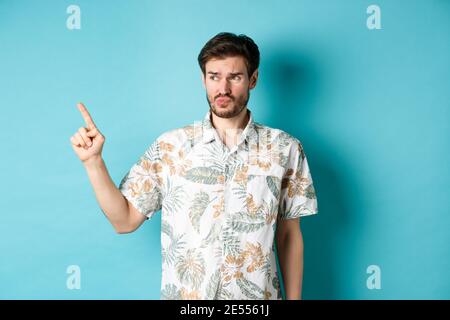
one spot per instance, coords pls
(223, 96)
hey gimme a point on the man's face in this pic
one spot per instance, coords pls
(227, 85)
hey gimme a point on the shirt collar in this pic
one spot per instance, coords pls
(209, 132)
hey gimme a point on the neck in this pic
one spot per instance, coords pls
(227, 126)
(229, 129)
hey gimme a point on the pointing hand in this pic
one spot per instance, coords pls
(87, 142)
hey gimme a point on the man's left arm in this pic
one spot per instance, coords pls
(290, 255)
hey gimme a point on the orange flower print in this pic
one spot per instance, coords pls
(298, 185)
(264, 165)
(137, 188)
(147, 186)
(232, 267)
(241, 175)
(134, 189)
(186, 295)
(264, 155)
(168, 161)
(184, 166)
(251, 205)
(151, 169)
(253, 253)
(219, 207)
(164, 146)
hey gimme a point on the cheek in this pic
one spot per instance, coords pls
(211, 88)
(240, 90)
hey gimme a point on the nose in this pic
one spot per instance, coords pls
(224, 87)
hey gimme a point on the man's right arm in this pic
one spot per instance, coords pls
(119, 211)
(87, 143)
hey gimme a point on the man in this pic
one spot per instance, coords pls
(231, 190)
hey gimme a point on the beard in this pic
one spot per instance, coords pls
(234, 107)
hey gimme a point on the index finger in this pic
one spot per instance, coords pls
(86, 116)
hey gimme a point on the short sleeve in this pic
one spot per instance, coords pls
(297, 197)
(143, 184)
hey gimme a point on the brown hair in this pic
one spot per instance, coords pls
(226, 44)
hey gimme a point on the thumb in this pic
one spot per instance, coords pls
(92, 133)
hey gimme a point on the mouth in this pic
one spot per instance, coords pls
(221, 101)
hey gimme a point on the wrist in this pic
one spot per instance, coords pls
(93, 162)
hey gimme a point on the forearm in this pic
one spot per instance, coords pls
(290, 253)
(109, 197)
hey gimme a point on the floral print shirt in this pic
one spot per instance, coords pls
(220, 207)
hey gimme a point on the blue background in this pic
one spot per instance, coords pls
(371, 108)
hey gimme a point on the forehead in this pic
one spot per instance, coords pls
(226, 65)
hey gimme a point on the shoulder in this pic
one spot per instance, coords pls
(279, 138)
(178, 138)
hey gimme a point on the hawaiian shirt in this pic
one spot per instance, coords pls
(220, 207)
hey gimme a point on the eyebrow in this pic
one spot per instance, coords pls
(231, 73)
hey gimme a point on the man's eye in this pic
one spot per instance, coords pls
(236, 78)
(212, 77)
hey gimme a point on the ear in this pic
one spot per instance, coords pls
(253, 79)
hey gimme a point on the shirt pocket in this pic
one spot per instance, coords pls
(264, 187)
